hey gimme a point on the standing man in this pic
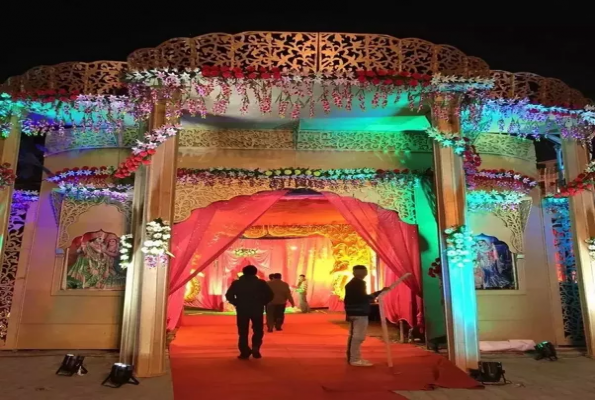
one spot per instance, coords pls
(276, 308)
(357, 309)
(249, 295)
(302, 289)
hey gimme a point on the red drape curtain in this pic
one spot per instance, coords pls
(397, 246)
(311, 256)
(199, 240)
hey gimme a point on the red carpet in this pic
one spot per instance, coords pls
(305, 361)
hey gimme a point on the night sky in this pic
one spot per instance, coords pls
(563, 52)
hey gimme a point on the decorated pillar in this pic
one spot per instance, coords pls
(9, 155)
(582, 216)
(455, 241)
(144, 321)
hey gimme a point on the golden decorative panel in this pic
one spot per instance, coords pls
(516, 220)
(364, 141)
(388, 195)
(546, 91)
(76, 139)
(10, 264)
(237, 139)
(99, 77)
(310, 52)
(505, 145)
(348, 247)
(71, 210)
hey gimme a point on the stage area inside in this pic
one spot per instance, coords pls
(304, 361)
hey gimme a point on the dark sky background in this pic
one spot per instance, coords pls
(559, 51)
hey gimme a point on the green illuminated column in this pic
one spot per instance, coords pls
(9, 153)
(582, 215)
(460, 301)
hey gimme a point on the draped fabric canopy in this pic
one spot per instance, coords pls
(209, 231)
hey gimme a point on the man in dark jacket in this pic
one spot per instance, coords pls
(357, 308)
(249, 295)
(276, 308)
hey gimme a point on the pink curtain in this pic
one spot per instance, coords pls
(311, 256)
(205, 235)
(396, 244)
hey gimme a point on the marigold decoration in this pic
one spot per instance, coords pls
(142, 151)
(583, 181)
(306, 177)
(156, 245)
(245, 252)
(591, 247)
(460, 247)
(125, 251)
(7, 176)
(110, 192)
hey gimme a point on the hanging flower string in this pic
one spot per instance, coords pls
(125, 251)
(96, 113)
(7, 175)
(298, 91)
(306, 177)
(156, 245)
(460, 247)
(143, 150)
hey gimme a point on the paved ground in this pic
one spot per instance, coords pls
(31, 376)
(571, 377)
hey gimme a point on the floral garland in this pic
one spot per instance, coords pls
(307, 177)
(460, 247)
(298, 90)
(591, 247)
(156, 246)
(435, 270)
(125, 250)
(142, 151)
(584, 181)
(245, 252)
(111, 192)
(85, 173)
(525, 118)
(488, 201)
(504, 179)
(461, 146)
(7, 175)
(21, 199)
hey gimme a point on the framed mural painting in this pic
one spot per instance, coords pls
(93, 263)
(495, 268)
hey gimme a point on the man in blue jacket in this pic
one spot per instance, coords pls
(357, 308)
(249, 295)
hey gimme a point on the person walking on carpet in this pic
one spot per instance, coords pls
(276, 308)
(249, 295)
(302, 290)
(357, 309)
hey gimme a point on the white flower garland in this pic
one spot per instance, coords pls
(156, 245)
(460, 247)
(125, 250)
(591, 247)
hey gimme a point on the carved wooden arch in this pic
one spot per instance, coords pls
(387, 195)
